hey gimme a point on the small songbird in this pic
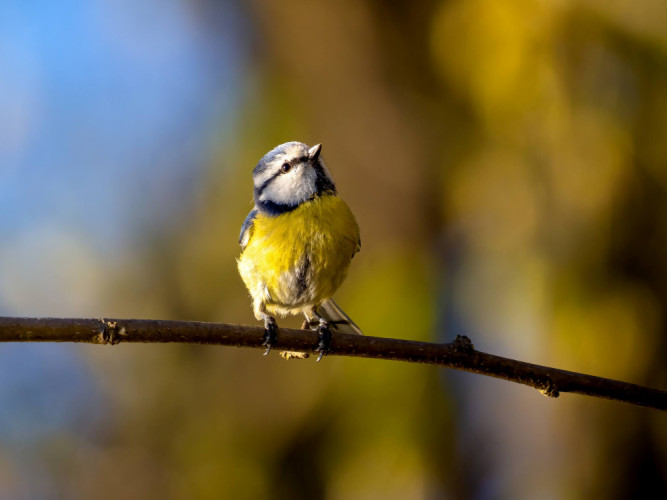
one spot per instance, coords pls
(297, 243)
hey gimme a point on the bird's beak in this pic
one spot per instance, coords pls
(314, 152)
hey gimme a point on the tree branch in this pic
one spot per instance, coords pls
(460, 354)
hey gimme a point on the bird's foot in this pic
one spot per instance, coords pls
(270, 331)
(324, 344)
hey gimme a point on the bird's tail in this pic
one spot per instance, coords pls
(340, 321)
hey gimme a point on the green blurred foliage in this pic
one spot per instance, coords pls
(507, 166)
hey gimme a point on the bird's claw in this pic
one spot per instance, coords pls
(324, 343)
(270, 331)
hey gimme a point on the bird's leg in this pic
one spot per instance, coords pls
(270, 326)
(308, 323)
(324, 332)
(324, 343)
(270, 331)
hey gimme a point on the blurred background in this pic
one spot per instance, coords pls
(507, 164)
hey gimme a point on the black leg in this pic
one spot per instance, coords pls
(324, 344)
(270, 331)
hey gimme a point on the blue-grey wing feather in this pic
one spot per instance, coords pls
(246, 228)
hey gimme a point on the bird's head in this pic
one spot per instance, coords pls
(289, 175)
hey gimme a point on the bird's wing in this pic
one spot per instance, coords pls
(338, 319)
(247, 229)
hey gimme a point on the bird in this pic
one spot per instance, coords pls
(297, 243)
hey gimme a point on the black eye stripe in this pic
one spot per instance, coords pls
(261, 187)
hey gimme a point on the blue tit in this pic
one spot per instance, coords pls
(297, 243)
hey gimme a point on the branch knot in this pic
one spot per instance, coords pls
(463, 344)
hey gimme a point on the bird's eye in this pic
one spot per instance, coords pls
(285, 168)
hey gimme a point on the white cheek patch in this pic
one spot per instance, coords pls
(292, 188)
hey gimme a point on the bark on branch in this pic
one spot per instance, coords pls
(460, 354)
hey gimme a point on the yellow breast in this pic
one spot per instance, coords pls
(300, 257)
